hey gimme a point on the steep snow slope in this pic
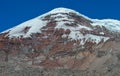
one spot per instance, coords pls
(34, 24)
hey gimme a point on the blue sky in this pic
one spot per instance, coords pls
(14, 12)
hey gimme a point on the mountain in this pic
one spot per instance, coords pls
(62, 38)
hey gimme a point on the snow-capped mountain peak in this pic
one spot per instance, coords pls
(62, 38)
(80, 27)
(37, 23)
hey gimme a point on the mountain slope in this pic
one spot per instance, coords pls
(61, 38)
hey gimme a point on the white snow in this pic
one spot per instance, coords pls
(78, 27)
(76, 35)
(64, 18)
(34, 24)
(64, 36)
(102, 33)
(110, 24)
(96, 38)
